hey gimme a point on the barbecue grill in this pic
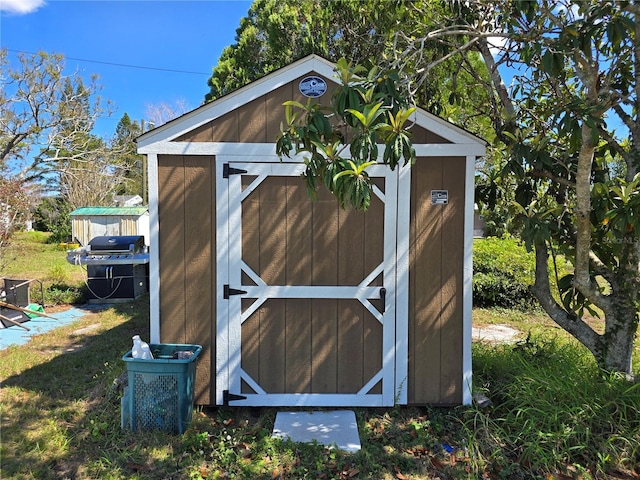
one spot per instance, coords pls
(117, 267)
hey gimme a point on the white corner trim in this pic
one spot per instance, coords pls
(154, 250)
(403, 233)
(467, 281)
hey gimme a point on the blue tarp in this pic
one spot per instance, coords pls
(19, 336)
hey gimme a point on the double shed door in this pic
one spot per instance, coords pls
(306, 291)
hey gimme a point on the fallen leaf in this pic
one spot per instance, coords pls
(399, 474)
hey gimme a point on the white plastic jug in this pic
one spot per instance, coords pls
(141, 349)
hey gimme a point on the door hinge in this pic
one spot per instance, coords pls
(230, 397)
(227, 170)
(227, 292)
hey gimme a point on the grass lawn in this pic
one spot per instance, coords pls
(553, 416)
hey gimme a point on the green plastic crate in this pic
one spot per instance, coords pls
(160, 391)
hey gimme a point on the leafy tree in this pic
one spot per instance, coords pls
(52, 215)
(575, 67)
(15, 205)
(277, 32)
(369, 111)
(133, 176)
(578, 69)
(47, 118)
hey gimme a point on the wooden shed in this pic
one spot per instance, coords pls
(90, 222)
(301, 303)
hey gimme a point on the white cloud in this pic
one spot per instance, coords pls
(20, 7)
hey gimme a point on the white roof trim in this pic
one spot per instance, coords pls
(269, 149)
(150, 141)
(445, 129)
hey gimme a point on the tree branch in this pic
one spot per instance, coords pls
(565, 319)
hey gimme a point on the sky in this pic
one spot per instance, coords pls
(145, 52)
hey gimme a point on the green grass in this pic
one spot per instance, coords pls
(30, 257)
(553, 415)
(553, 409)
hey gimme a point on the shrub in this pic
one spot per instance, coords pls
(58, 294)
(503, 271)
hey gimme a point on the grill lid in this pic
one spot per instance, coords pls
(123, 243)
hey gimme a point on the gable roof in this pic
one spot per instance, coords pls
(307, 65)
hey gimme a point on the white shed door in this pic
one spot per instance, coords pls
(306, 291)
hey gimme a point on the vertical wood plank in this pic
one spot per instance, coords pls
(324, 312)
(298, 272)
(272, 194)
(298, 346)
(199, 286)
(272, 346)
(374, 237)
(251, 227)
(226, 128)
(325, 239)
(324, 358)
(252, 121)
(299, 237)
(203, 133)
(351, 246)
(452, 273)
(373, 256)
(275, 110)
(273, 230)
(250, 344)
(171, 247)
(350, 346)
(426, 278)
(372, 346)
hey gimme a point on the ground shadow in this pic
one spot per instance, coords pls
(73, 397)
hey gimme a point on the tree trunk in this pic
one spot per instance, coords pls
(614, 348)
(618, 340)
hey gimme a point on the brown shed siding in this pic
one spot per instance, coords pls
(259, 120)
(186, 227)
(255, 122)
(435, 277)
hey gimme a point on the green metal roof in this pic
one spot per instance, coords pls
(120, 211)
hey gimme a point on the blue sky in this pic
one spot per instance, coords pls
(187, 36)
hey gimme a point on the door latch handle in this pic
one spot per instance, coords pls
(383, 297)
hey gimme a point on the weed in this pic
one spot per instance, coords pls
(57, 275)
(553, 409)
